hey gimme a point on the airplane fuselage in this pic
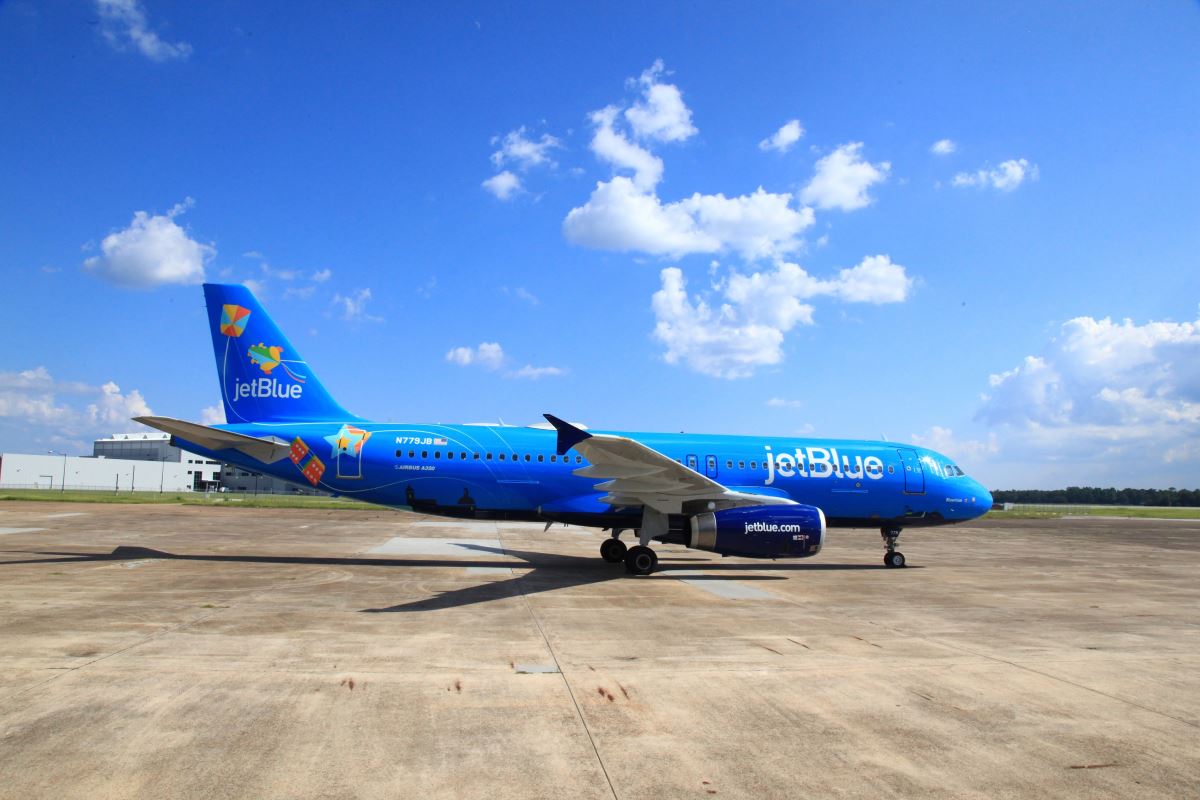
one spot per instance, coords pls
(504, 472)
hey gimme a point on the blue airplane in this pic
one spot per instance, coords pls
(750, 496)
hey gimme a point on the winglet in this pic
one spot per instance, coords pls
(568, 434)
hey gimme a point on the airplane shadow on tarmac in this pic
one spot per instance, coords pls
(546, 571)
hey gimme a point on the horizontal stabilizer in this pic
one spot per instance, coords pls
(264, 450)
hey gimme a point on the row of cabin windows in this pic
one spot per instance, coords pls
(464, 456)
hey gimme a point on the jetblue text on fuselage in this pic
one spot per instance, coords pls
(821, 462)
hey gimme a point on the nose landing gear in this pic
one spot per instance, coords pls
(892, 558)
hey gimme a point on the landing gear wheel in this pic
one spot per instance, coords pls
(640, 560)
(893, 559)
(613, 551)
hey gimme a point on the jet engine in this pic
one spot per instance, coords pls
(784, 531)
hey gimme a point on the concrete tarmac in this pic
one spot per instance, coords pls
(189, 652)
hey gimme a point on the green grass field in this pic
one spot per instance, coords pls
(1049, 512)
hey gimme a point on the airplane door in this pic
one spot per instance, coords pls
(914, 476)
(710, 466)
(692, 463)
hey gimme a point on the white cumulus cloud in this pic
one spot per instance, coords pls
(943, 147)
(212, 415)
(516, 148)
(873, 280)
(536, 373)
(353, 306)
(1006, 177)
(123, 24)
(154, 250)
(503, 185)
(783, 139)
(1101, 372)
(611, 145)
(744, 330)
(489, 355)
(115, 408)
(619, 216)
(965, 451)
(661, 113)
(1111, 401)
(843, 179)
(38, 410)
(710, 341)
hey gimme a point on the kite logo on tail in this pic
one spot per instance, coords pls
(268, 358)
(233, 320)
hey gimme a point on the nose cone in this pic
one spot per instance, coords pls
(983, 498)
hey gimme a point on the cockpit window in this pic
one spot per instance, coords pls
(952, 471)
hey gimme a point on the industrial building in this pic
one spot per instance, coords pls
(205, 474)
(27, 471)
(143, 462)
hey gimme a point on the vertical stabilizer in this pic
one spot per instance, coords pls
(263, 378)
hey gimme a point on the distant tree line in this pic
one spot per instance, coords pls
(1090, 495)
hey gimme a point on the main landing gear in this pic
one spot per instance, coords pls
(613, 550)
(893, 557)
(639, 559)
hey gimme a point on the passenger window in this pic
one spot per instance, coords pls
(476, 456)
(541, 458)
(728, 465)
(753, 465)
(424, 454)
(410, 453)
(449, 454)
(463, 456)
(741, 465)
(437, 453)
(399, 453)
(553, 459)
(891, 469)
(578, 460)
(489, 457)
(527, 456)
(502, 456)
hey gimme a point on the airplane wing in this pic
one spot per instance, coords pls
(264, 450)
(636, 475)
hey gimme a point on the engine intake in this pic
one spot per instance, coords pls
(791, 531)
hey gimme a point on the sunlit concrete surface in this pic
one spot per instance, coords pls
(160, 651)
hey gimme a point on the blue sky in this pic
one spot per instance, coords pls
(675, 217)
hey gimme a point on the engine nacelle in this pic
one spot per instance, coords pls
(784, 531)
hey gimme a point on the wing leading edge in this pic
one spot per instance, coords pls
(633, 474)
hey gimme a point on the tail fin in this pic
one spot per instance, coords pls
(263, 378)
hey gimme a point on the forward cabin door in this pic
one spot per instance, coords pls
(914, 476)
